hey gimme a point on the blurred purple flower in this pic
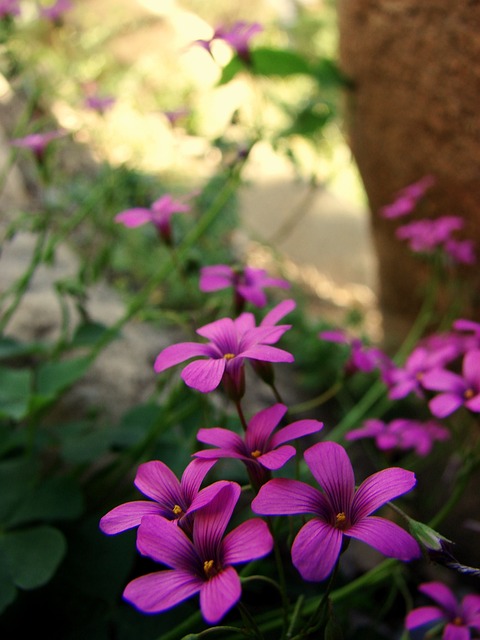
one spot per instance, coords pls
(461, 251)
(260, 448)
(230, 343)
(407, 379)
(362, 357)
(457, 390)
(170, 498)
(9, 8)
(339, 511)
(201, 565)
(99, 103)
(401, 434)
(175, 115)
(159, 214)
(459, 618)
(55, 11)
(38, 142)
(248, 283)
(408, 198)
(238, 36)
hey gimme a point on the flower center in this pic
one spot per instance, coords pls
(340, 520)
(256, 453)
(229, 356)
(458, 622)
(469, 393)
(177, 510)
(209, 568)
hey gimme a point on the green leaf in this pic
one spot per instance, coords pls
(17, 477)
(81, 444)
(15, 385)
(230, 70)
(33, 555)
(278, 62)
(88, 334)
(56, 498)
(55, 377)
(10, 348)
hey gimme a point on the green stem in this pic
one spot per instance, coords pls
(318, 401)
(248, 619)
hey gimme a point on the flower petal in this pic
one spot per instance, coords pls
(442, 595)
(249, 541)
(278, 312)
(223, 438)
(332, 469)
(267, 354)
(423, 615)
(219, 594)
(207, 494)
(444, 404)
(164, 542)
(295, 430)
(443, 380)
(134, 217)
(315, 550)
(282, 496)
(379, 488)
(162, 590)
(471, 368)
(156, 481)
(276, 458)
(176, 353)
(204, 375)
(456, 632)
(262, 424)
(193, 476)
(128, 515)
(212, 520)
(386, 537)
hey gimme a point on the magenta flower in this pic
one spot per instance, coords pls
(339, 511)
(408, 198)
(362, 357)
(407, 379)
(401, 434)
(176, 114)
(248, 283)
(159, 214)
(427, 235)
(230, 343)
(238, 36)
(38, 142)
(9, 8)
(459, 619)
(203, 565)
(457, 390)
(261, 449)
(55, 11)
(170, 498)
(460, 251)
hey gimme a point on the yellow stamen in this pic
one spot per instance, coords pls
(469, 393)
(229, 356)
(457, 621)
(340, 520)
(256, 453)
(208, 567)
(177, 510)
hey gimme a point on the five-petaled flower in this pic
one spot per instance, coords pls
(456, 390)
(231, 342)
(170, 498)
(261, 449)
(248, 283)
(202, 564)
(159, 214)
(339, 511)
(362, 357)
(458, 618)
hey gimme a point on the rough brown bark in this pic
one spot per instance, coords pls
(414, 109)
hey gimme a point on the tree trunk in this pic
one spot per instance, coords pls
(414, 110)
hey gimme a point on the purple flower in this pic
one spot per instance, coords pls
(175, 115)
(407, 379)
(203, 565)
(461, 251)
(339, 511)
(427, 235)
(238, 36)
(408, 198)
(459, 619)
(38, 142)
(362, 358)
(248, 283)
(9, 8)
(159, 214)
(401, 434)
(170, 498)
(55, 11)
(230, 343)
(457, 390)
(260, 448)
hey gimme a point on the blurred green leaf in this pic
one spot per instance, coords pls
(8, 590)
(10, 348)
(88, 334)
(15, 385)
(231, 69)
(278, 62)
(17, 477)
(32, 555)
(80, 443)
(53, 378)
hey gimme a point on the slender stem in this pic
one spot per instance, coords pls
(241, 415)
(248, 619)
(296, 611)
(463, 479)
(318, 401)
